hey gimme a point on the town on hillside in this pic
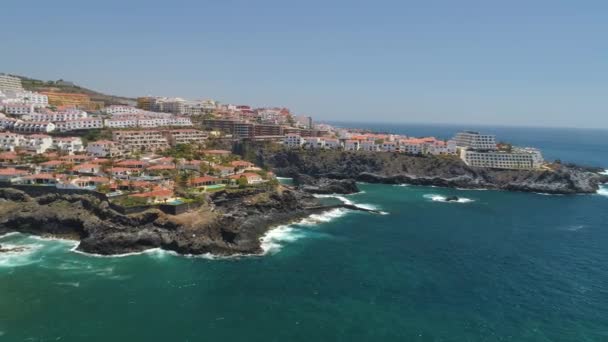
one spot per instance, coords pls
(156, 149)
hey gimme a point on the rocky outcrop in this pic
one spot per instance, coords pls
(325, 185)
(445, 171)
(230, 223)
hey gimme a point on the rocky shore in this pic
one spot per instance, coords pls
(317, 171)
(230, 223)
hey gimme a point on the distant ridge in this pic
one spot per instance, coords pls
(69, 87)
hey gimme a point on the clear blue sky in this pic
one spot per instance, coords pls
(532, 62)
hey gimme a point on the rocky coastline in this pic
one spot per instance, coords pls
(229, 223)
(337, 171)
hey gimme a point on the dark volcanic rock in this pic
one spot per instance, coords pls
(325, 185)
(446, 171)
(452, 199)
(231, 223)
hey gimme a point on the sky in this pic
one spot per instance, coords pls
(530, 63)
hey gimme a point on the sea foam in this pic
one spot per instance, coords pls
(347, 201)
(440, 198)
(603, 191)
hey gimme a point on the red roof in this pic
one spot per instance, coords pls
(12, 172)
(161, 167)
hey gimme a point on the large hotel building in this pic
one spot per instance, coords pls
(480, 150)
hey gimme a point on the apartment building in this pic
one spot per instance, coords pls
(25, 97)
(69, 145)
(144, 140)
(67, 115)
(10, 83)
(32, 127)
(120, 122)
(475, 141)
(293, 140)
(518, 158)
(79, 124)
(103, 149)
(185, 136)
(314, 142)
(9, 141)
(38, 143)
(19, 108)
(121, 110)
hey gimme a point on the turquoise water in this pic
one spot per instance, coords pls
(495, 266)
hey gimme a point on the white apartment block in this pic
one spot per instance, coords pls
(19, 108)
(185, 136)
(352, 145)
(518, 158)
(122, 110)
(79, 124)
(38, 143)
(475, 141)
(9, 141)
(332, 144)
(25, 97)
(103, 149)
(314, 142)
(411, 148)
(69, 145)
(32, 127)
(10, 83)
(293, 140)
(369, 146)
(67, 115)
(144, 140)
(120, 123)
(389, 146)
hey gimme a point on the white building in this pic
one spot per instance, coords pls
(38, 143)
(332, 144)
(33, 127)
(79, 124)
(69, 145)
(293, 140)
(67, 115)
(10, 83)
(369, 145)
(352, 145)
(314, 142)
(475, 141)
(389, 146)
(120, 123)
(25, 97)
(121, 110)
(19, 108)
(518, 158)
(103, 149)
(9, 141)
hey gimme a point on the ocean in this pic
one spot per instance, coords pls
(494, 266)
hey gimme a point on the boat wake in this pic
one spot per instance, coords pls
(440, 198)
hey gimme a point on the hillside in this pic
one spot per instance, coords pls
(68, 87)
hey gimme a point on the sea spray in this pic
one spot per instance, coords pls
(440, 198)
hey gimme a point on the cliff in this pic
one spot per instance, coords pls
(230, 223)
(445, 171)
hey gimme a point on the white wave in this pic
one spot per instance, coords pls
(471, 189)
(605, 172)
(123, 255)
(72, 284)
(321, 218)
(273, 241)
(401, 185)
(603, 190)
(440, 198)
(24, 254)
(8, 235)
(349, 202)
